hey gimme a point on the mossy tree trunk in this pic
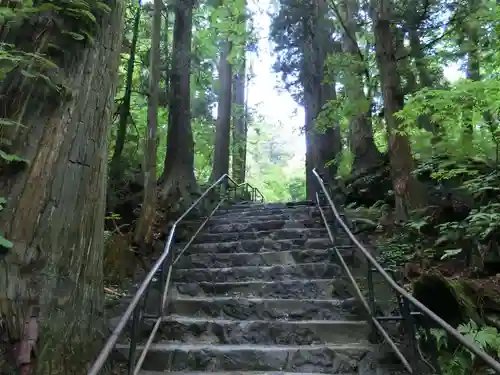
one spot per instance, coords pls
(144, 228)
(178, 180)
(425, 78)
(240, 126)
(56, 203)
(361, 142)
(322, 145)
(470, 47)
(116, 168)
(220, 164)
(408, 190)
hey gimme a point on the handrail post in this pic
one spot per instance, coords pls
(224, 185)
(371, 297)
(408, 320)
(163, 277)
(133, 340)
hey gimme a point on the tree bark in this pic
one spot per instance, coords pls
(178, 180)
(115, 167)
(164, 99)
(223, 130)
(56, 204)
(407, 189)
(144, 228)
(240, 129)
(361, 142)
(425, 79)
(416, 48)
(310, 162)
(322, 146)
(471, 48)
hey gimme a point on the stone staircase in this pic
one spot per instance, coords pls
(261, 292)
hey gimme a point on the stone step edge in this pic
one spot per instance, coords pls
(224, 348)
(336, 302)
(267, 233)
(269, 240)
(232, 373)
(190, 319)
(269, 252)
(260, 282)
(222, 220)
(261, 232)
(284, 265)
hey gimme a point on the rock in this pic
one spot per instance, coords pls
(450, 298)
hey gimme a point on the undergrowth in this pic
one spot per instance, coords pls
(456, 359)
(460, 231)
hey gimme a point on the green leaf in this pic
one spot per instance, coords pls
(450, 253)
(7, 122)
(5, 242)
(28, 74)
(10, 157)
(75, 36)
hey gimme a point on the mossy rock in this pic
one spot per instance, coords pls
(451, 298)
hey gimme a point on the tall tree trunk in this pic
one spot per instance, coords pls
(240, 128)
(223, 130)
(322, 145)
(115, 168)
(424, 77)
(166, 55)
(52, 277)
(361, 140)
(471, 48)
(327, 142)
(144, 228)
(178, 181)
(416, 49)
(407, 189)
(310, 162)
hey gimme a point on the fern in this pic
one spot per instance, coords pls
(462, 361)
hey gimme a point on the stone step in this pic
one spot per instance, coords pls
(231, 373)
(258, 212)
(263, 205)
(330, 359)
(266, 308)
(196, 330)
(265, 258)
(277, 234)
(321, 270)
(225, 226)
(225, 219)
(313, 289)
(264, 245)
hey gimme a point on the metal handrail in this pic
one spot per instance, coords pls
(401, 292)
(132, 309)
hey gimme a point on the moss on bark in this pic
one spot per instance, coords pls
(55, 210)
